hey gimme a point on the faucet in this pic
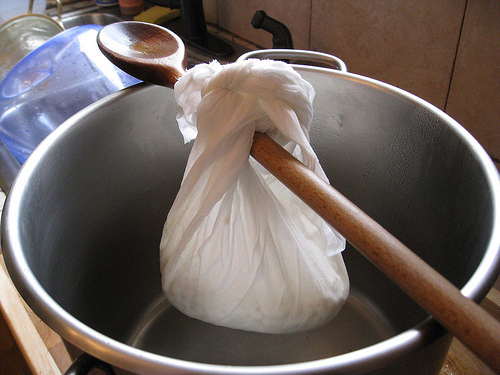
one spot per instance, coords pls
(282, 38)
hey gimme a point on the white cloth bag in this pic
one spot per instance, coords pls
(238, 248)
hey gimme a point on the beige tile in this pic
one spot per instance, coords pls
(210, 8)
(407, 43)
(474, 99)
(236, 17)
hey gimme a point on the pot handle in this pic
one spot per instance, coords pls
(295, 56)
(85, 362)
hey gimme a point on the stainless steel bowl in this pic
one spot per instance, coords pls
(83, 221)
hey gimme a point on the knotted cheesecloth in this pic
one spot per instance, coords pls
(238, 248)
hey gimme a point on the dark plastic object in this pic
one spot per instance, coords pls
(282, 38)
(193, 20)
(194, 30)
(85, 363)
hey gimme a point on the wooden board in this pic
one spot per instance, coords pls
(28, 340)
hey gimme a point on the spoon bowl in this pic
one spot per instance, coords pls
(149, 52)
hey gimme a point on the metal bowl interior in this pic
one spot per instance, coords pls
(83, 220)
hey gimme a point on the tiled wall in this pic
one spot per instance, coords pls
(474, 99)
(446, 51)
(409, 43)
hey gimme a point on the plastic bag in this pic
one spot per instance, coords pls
(238, 248)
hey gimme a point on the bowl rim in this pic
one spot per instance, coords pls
(133, 359)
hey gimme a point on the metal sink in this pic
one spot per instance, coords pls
(89, 19)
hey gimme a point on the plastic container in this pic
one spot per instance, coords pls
(55, 81)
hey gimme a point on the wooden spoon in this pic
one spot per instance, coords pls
(145, 51)
(156, 55)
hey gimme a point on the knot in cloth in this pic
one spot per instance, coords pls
(269, 82)
(238, 248)
(272, 89)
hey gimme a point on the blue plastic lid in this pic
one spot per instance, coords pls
(58, 79)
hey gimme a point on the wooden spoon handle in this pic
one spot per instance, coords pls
(461, 316)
